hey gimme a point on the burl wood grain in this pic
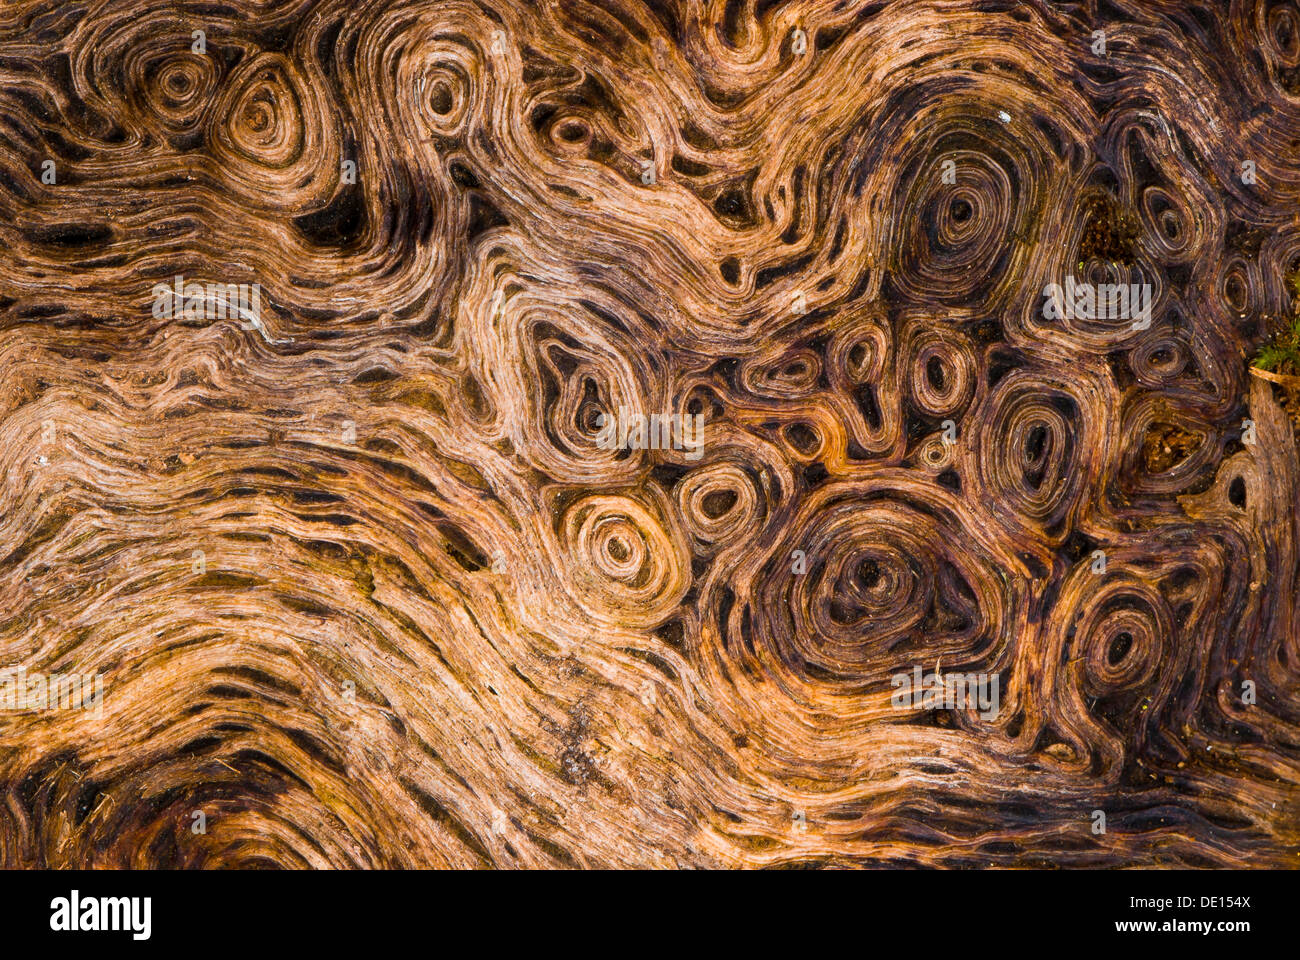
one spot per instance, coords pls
(363, 587)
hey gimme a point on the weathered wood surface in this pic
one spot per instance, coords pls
(364, 588)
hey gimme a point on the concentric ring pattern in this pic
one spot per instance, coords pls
(623, 397)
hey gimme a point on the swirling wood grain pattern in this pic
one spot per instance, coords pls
(365, 590)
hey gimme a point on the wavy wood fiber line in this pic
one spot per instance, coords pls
(434, 622)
